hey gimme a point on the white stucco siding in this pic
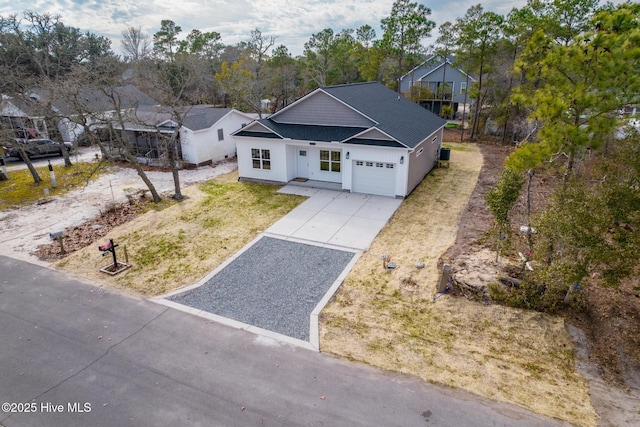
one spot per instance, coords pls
(279, 171)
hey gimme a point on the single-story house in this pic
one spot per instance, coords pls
(364, 137)
(92, 106)
(438, 83)
(204, 137)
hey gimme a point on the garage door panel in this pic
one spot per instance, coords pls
(374, 178)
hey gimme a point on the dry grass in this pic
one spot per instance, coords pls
(389, 318)
(20, 189)
(179, 245)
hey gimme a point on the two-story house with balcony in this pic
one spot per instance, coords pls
(438, 86)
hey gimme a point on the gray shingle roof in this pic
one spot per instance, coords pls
(95, 100)
(312, 132)
(397, 116)
(197, 117)
(204, 116)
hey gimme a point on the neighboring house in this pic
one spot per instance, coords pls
(22, 117)
(98, 107)
(205, 135)
(437, 83)
(25, 115)
(364, 137)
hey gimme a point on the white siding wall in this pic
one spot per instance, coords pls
(284, 161)
(279, 165)
(203, 145)
(7, 108)
(189, 153)
(292, 162)
(70, 131)
(314, 163)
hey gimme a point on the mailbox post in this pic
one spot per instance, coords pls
(58, 235)
(117, 267)
(110, 247)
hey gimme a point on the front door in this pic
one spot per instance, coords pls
(303, 164)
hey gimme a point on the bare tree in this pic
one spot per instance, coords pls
(179, 80)
(259, 45)
(83, 86)
(136, 45)
(120, 119)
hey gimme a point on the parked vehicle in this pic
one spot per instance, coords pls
(37, 148)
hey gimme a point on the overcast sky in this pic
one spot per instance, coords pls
(292, 22)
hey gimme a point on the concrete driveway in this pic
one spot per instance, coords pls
(349, 220)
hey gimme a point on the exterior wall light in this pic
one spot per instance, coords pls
(401, 159)
(347, 155)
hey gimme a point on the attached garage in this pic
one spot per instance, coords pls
(374, 178)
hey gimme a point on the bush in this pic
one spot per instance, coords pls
(501, 199)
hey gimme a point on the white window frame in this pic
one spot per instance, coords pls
(261, 158)
(220, 134)
(332, 162)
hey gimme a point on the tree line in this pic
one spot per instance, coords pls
(198, 68)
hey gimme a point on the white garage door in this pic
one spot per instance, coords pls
(374, 178)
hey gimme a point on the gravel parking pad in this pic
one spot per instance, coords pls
(274, 285)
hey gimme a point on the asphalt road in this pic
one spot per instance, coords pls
(77, 355)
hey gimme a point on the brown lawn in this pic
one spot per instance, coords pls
(388, 318)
